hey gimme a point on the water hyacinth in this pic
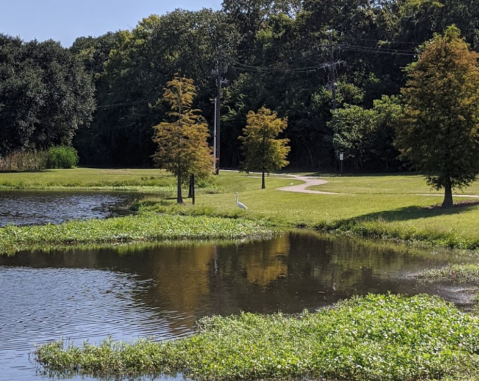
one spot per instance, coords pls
(389, 338)
(146, 227)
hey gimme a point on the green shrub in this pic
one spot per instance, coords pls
(62, 157)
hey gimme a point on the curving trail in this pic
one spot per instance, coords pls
(312, 181)
(308, 182)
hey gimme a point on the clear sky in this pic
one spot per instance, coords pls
(65, 20)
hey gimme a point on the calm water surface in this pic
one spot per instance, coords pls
(133, 291)
(39, 207)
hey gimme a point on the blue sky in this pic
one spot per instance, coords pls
(65, 20)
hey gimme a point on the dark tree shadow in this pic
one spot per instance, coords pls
(416, 212)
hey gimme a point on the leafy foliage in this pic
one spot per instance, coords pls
(45, 95)
(182, 144)
(439, 132)
(62, 157)
(366, 136)
(389, 338)
(276, 53)
(263, 151)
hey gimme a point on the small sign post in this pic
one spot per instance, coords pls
(341, 158)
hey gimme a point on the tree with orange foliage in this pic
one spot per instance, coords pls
(263, 151)
(182, 143)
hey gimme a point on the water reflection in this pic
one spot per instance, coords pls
(160, 291)
(38, 207)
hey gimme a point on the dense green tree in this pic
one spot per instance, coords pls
(262, 150)
(45, 95)
(278, 55)
(182, 143)
(366, 136)
(352, 126)
(439, 132)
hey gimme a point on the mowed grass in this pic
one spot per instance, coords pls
(133, 179)
(395, 214)
(382, 184)
(399, 207)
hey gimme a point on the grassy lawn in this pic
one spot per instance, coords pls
(391, 207)
(129, 179)
(385, 184)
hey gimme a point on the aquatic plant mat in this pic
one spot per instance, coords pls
(461, 273)
(365, 338)
(146, 227)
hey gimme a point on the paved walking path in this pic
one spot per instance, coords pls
(308, 182)
(312, 181)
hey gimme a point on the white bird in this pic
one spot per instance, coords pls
(240, 204)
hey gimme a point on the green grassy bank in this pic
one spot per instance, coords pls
(400, 207)
(145, 227)
(372, 338)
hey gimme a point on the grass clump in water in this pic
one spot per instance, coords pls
(146, 227)
(463, 273)
(365, 338)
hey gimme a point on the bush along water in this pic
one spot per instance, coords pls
(62, 157)
(392, 338)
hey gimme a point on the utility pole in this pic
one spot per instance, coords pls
(332, 66)
(333, 86)
(220, 69)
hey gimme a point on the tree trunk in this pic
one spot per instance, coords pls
(179, 197)
(447, 203)
(192, 188)
(263, 186)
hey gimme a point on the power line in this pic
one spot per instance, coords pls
(128, 103)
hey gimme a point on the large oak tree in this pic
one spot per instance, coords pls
(439, 131)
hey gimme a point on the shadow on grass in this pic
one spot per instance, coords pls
(415, 212)
(25, 171)
(354, 174)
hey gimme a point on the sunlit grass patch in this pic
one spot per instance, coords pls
(382, 206)
(145, 227)
(366, 338)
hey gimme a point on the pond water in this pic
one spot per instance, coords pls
(160, 291)
(41, 207)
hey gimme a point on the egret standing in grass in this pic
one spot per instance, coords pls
(240, 204)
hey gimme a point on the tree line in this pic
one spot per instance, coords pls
(282, 55)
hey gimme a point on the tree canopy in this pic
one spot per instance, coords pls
(439, 132)
(45, 95)
(182, 143)
(276, 54)
(262, 150)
